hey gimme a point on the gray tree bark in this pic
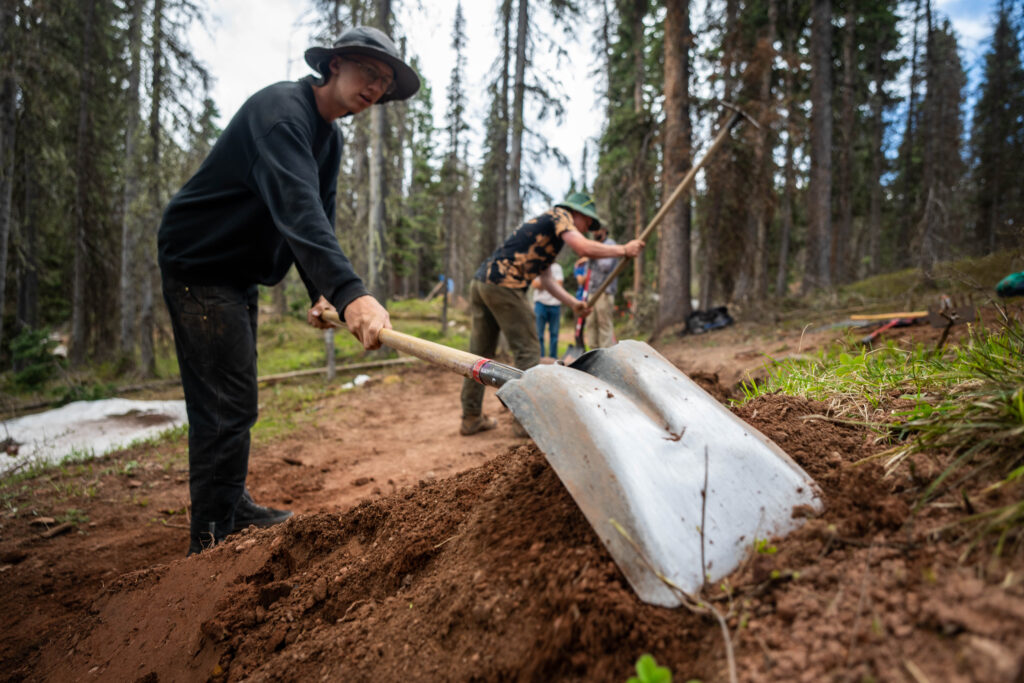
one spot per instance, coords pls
(502, 223)
(514, 201)
(148, 248)
(131, 186)
(640, 173)
(841, 246)
(874, 227)
(789, 187)
(376, 276)
(674, 239)
(79, 317)
(28, 271)
(819, 207)
(8, 104)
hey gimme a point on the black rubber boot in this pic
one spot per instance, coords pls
(203, 536)
(248, 513)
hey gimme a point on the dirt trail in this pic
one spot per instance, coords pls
(423, 555)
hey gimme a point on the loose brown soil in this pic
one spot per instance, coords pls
(418, 554)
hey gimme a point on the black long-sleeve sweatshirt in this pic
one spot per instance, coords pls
(262, 200)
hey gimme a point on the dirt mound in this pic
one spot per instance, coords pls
(494, 574)
(491, 574)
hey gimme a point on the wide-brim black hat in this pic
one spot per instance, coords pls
(372, 42)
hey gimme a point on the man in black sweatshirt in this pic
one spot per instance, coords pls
(262, 200)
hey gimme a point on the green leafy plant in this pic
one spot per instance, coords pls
(648, 671)
(74, 516)
(32, 354)
(87, 391)
(763, 547)
(128, 467)
(967, 403)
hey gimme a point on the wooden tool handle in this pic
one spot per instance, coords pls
(480, 369)
(734, 118)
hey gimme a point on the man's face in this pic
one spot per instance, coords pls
(358, 81)
(581, 222)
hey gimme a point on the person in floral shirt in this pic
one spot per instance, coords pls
(498, 292)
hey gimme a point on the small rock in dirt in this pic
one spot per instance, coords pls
(134, 484)
(362, 481)
(992, 660)
(787, 607)
(42, 521)
(13, 556)
(277, 638)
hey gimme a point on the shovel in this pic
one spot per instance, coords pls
(676, 487)
(734, 118)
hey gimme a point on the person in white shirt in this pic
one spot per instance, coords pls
(548, 311)
(599, 331)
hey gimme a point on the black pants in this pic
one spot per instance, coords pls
(215, 339)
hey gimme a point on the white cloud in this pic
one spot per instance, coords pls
(250, 44)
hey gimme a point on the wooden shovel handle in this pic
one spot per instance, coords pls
(480, 369)
(734, 118)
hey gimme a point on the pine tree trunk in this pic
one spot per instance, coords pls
(719, 176)
(376, 280)
(709, 249)
(874, 228)
(280, 297)
(786, 209)
(674, 237)
(841, 246)
(398, 285)
(360, 181)
(28, 278)
(79, 314)
(514, 202)
(7, 140)
(907, 202)
(148, 248)
(765, 166)
(819, 209)
(640, 174)
(8, 105)
(789, 187)
(502, 222)
(131, 186)
(751, 283)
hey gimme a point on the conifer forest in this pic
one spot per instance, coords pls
(786, 445)
(872, 152)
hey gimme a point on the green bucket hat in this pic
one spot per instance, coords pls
(584, 203)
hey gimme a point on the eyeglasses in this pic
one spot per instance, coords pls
(372, 75)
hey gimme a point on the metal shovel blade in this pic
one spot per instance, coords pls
(627, 436)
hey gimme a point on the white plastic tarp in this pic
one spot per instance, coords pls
(86, 428)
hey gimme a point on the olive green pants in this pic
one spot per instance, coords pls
(599, 332)
(495, 309)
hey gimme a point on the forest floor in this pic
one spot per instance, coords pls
(419, 554)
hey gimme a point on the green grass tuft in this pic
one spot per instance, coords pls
(968, 402)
